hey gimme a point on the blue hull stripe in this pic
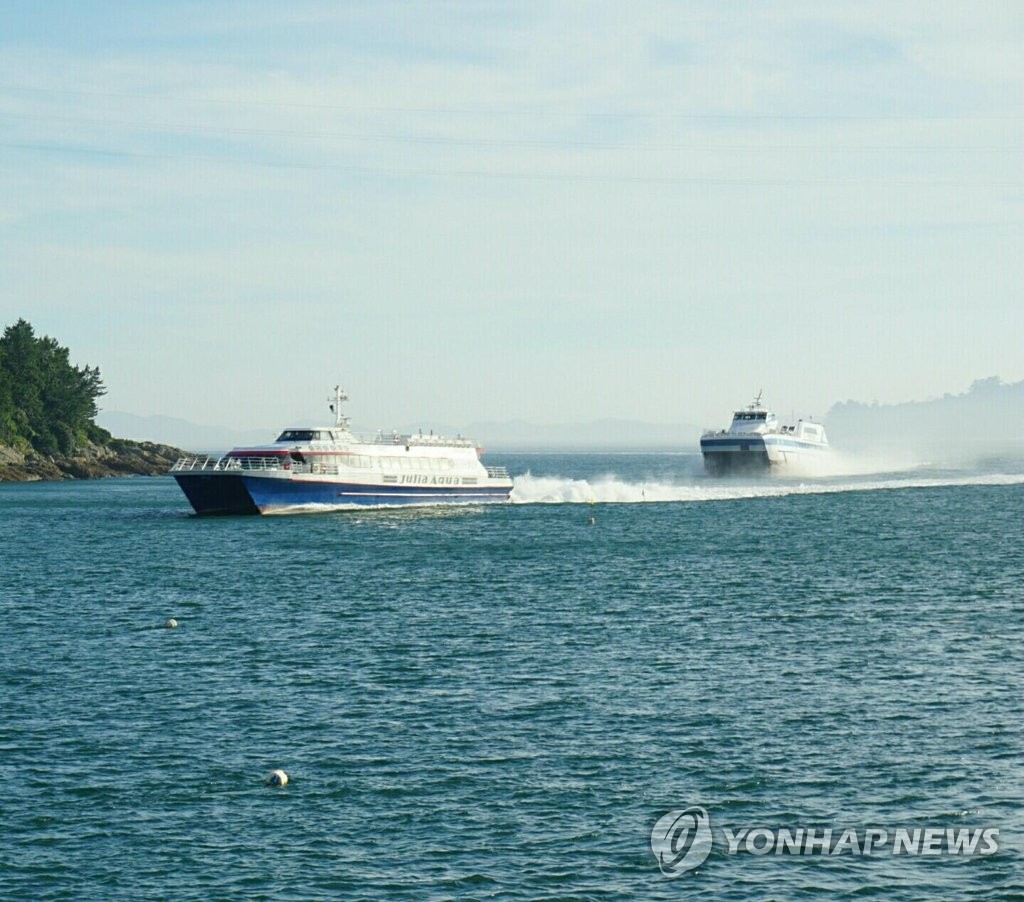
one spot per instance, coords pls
(242, 494)
(732, 444)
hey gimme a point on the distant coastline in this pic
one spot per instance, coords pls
(989, 412)
(511, 436)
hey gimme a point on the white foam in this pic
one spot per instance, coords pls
(609, 489)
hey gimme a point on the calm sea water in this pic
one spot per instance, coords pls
(500, 702)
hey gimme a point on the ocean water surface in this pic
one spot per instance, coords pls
(500, 702)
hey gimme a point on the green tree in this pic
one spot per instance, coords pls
(8, 428)
(45, 401)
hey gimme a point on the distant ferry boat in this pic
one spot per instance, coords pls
(327, 466)
(756, 440)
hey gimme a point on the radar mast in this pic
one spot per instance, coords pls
(340, 419)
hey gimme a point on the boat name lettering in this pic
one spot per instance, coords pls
(423, 479)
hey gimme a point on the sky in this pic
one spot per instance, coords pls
(484, 211)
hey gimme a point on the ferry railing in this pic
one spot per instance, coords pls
(210, 464)
(198, 462)
(228, 464)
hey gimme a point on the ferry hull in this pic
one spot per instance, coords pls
(210, 493)
(722, 455)
(247, 494)
(755, 453)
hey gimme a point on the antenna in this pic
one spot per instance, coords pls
(339, 418)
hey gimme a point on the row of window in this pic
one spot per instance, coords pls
(306, 435)
(432, 464)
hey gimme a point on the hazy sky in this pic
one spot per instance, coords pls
(554, 211)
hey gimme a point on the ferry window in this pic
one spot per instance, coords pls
(296, 435)
(762, 416)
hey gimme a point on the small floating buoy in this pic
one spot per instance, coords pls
(277, 778)
(171, 623)
(592, 521)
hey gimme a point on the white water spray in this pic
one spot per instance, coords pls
(610, 489)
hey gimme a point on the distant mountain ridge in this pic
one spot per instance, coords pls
(180, 433)
(511, 435)
(606, 434)
(989, 412)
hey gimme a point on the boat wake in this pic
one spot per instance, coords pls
(609, 489)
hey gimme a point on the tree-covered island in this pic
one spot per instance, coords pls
(48, 408)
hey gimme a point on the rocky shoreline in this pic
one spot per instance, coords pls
(119, 457)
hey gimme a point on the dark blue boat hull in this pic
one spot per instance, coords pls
(237, 493)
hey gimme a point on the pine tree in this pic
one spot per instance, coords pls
(45, 401)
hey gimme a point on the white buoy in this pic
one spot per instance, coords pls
(277, 778)
(171, 623)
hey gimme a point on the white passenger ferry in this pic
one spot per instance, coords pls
(310, 468)
(757, 440)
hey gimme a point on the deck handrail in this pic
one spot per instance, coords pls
(208, 463)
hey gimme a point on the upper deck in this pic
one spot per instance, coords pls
(341, 436)
(757, 420)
